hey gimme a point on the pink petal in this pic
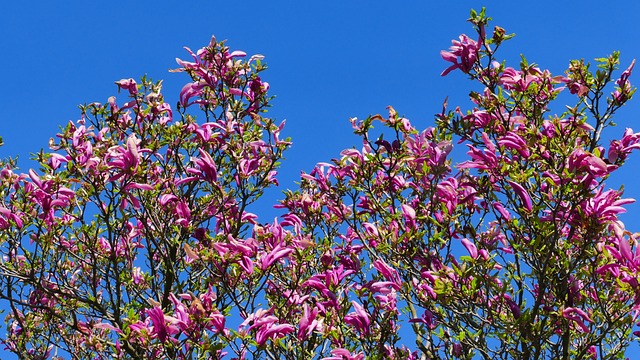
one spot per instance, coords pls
(471, 248)
(522, 194)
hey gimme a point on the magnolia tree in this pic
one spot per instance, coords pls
(135, 238)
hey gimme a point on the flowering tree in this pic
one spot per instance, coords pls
(134, 238)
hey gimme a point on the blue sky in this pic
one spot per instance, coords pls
(328, 61)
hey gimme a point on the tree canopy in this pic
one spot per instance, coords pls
(136, 237)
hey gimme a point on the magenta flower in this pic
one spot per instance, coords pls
(409, 215)
(471, 248)
(274, 255)
(382, 287)
(183, 213)
(6, 216)
(625, 250)
(217, 321)
(162, 324)
(576, 87)
(266, 326)
(620, 149)
(387, 271)
(129, 85)
(522, 194)
(513, 306)
(605, 206)
(481, 160)
(206, 131)
(427, 318)
(308, 322)
(358, 319)
(465, 49)
(56, 160)
(623, 93)
(344, 354)
(513, 141)
(513, 79)
(180, 313)
(580, 160)
(578, 316)
(137, 275)
(207, 166)
(126, 159)
(502, 211)
(190, 90)
(273, 331)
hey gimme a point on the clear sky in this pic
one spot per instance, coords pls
(328, 61)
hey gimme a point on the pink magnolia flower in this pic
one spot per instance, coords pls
(625, 250)
(622, 94)
(166, 199)
(605, 206)
(163, 325)
(208, 170)
(427, 318)
(266, 326)
(382, 287)
(308, 322)
(183, 213)
(513, 306)
(513, 141)
(137, 275)
(274, 255)
(502, 211)
(358, 319)
(126, 159)
(181, 313)
(517, 80)
(107, 326)
(129, 85)
(248, 166)
(206, 131)
(409, 214)
(6, 216)
(522, 194)
(465, 49)
(191, 90)
(578, 316)
(387, 271)
(447, 191)
(56, 160)
(576, 87)
(217, 321)
(481, 160)
(580, 160)
(471, 248)
(273, 331)
(620, 149)
(344, 354)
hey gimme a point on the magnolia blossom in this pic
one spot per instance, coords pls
(466, 50)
